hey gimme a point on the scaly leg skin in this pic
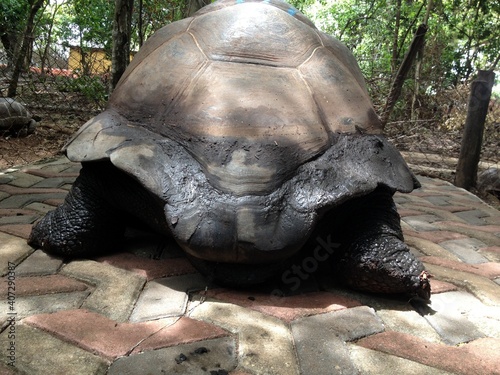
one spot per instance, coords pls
(374, 257)
(85, 224)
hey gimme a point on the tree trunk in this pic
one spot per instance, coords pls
(19, 60)
(395, 40)
(139, 26)
(418, 68)
(122, 26)
(472, 138)
(404, 68)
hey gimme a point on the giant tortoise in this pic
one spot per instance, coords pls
(247, 135)
(15, 118)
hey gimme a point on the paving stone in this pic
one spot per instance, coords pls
(320, 339)
(466, 249)
(265, 343)
(438, 286)
(24, 180)
(49, 303)
(429, 248)
(10, 370)
(166, 297)
(3, 195)
(484, 289)
(188, 359)
(184, 330)
(489, 269)
(116, 290)
(22, 200)
(376, 362)
(435, 236)
(16, 212)
(474, 217)
(438, 200)
(491, 252)
(403, 212)
(323, 354)
(440, 212)
(464, 305)
(38, 285)
(408, 321)
(13, 250)
(40, 208)
(286, 308)
(5, 178)
(471, 228)
(54, 182)
(421, 222)
(149, 268)
(39, 263)
(19, 230)
(54, 202)
(39, 353)
(448, 358)
(449, 320)
(18, 219)
(97, 334)
(52, 172)
(485, 233)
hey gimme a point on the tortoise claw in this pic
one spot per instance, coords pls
(424, 290)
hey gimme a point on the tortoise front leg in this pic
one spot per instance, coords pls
(85, 224)
(373, 256)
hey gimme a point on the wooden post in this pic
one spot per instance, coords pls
(472, 138)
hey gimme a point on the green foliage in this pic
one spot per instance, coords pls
(87, 23)
(462, 37)
(13, 15)
(92, 87)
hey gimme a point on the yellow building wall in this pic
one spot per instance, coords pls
(95, 60)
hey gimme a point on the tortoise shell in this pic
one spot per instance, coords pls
(248, 123)
(15, 118)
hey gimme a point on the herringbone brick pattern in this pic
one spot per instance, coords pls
(145, 310)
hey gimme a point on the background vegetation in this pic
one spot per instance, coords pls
(462, 37)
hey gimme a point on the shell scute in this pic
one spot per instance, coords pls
(256, 33)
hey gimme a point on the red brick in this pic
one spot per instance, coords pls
(48, 173)
(449, 208)
(403, 212)
(16, 212)
(488, 348)
(39, 285)
(285, 308)
(438, 286)
(489, 270)
(149, 268)
(100, 335)
(419, 193)
(183, 331)
(54, 202)
(482, 228)
(19, 230)
(435, 236)
(6, 370)
(14, 190)
(490, 249)
(465, 360)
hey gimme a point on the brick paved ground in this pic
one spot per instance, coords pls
(145, 310)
